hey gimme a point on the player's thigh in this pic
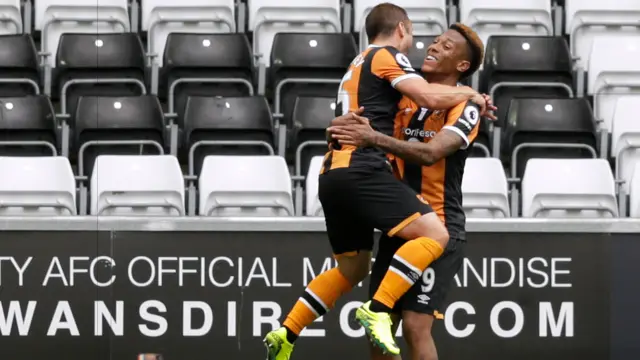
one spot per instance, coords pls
(351, 240)
(347, 233)
(389, 204)
(351, 245)
(428, 295)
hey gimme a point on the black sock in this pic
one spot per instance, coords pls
(377, 306)
(291, 336)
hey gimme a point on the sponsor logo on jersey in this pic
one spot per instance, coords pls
(418, 133)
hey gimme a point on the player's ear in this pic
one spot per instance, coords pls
(403, 29)
(463, 65)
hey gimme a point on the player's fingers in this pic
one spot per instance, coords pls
(492, 108)
(339, 130)
(347, 142)
(340, 120)
(491, 116)
(348, 120)
(360, 111)
(362, 120)
(342, 137)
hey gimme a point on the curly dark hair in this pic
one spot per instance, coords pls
(476, 47)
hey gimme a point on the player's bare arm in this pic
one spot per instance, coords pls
(442, 145)
(437, 96)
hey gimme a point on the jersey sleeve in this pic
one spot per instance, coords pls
(392, 65)
(464, 120)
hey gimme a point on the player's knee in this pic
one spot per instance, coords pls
(440, 234)
(355, 268)
(428, 225)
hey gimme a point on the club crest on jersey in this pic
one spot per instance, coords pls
(471, 114)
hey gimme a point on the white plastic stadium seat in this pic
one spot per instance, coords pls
(268, 17)
(56, 17)
(162, 17)
(584, 20)
(634, 194)
(485, 189)
(429, 17)
(314, 208)
(614, 71)
(625, 137)
(245, 186)
(10, 17)
(133, 185)
(507, 17)
(568, 188)
(37, 186)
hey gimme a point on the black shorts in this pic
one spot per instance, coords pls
(356, 201)
(427, 295)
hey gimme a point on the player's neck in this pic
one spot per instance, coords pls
(385, 42)
(442, 79)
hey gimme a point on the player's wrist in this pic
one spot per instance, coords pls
(376, 138)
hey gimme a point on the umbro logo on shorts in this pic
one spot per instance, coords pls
(423, 299)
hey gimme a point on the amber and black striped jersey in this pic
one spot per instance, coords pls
(370, 82)
(441, 183)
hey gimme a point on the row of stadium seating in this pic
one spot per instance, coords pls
(182, 57)
(52, 18)
(221, 64)
(537, 128)
(515, 67)
(228, 186)
(580, 18)
(305, 65)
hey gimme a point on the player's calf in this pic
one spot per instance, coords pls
(317, 299)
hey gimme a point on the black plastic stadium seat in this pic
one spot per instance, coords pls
(311, 117)
(133, 118)
(308, 55)
(19, 63)
(537, 59)
(230, 119)
(418, 51)
(566, 121)
(224, 58)
(28, 118)
(107, 57)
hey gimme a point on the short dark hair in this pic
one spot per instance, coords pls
(383, 20)
(475, 48)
